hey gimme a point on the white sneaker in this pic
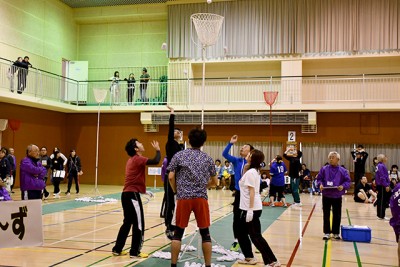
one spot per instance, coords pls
(57, 195)
(272, 205)
(274, 264)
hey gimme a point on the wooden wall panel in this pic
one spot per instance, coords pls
(79, 131)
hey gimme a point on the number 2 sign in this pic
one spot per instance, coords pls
(291, 136)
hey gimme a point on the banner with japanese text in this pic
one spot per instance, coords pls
(21, 223)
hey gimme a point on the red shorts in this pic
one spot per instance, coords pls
(199, 206)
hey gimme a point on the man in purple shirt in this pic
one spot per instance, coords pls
(395, 220)
(332, 180)
(382, 187)
(32, 174)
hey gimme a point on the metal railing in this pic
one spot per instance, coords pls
(306, 93)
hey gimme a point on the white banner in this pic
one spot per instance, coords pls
(21, 223)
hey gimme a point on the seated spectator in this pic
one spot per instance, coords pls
(264, 187)
(373, 185)
(305, 178)
(315, 188)
(363, 192)
(394, 176)
(4, 195)
(226, 173)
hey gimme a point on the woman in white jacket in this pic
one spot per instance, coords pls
(114, 89)
(251, 209)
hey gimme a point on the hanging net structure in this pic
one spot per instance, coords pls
(99, 95)
(208, 27)
(270, 97)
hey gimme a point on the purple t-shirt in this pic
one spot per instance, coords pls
(193, 169)
(395, 208)
(331, 176)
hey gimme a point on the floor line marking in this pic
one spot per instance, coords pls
(298, 240)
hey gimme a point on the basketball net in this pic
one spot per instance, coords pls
(208, 27)
(99, 95)
(270, 97)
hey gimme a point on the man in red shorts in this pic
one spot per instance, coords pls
(191, 172)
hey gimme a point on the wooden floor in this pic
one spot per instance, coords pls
(84, 236)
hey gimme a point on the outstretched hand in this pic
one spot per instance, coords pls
(234, 139)
(170, 108)
(155, 145)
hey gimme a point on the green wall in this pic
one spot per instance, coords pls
(121, 37)
(42, 29)
(107, 37)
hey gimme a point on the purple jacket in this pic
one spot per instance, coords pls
(395, 208)
(382, 175)
(333, 176)
(4, 195)
(31, 174)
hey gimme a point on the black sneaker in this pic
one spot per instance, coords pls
(46, 195)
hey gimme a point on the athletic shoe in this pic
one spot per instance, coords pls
(122, 253)
(336, 236)
(235, 246)
(273, 264)
(326, 237)
(252, 261)
(57, 195)
(46, 195)
(141, 255)
(67, 193)
(272, 205)
(383, 219)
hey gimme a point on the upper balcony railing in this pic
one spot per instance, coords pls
(353, 92)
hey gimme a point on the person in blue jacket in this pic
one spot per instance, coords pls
(277, 184)
(333, 180)
(238, 165)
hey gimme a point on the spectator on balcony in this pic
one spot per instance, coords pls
(114, 89)
(22, 73)
(12, 70)
(144, 79)
(359, 157)
(131, 87)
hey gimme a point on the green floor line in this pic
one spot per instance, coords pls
(354, 243)
(73, 204)
(325, 253)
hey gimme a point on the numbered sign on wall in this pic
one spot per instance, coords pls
(291, 136)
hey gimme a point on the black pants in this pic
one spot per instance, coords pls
(73, 175)
(56, 183)
(130, 93)
(382, 201)
(253, 229)
(236, 215)
(169, 204)
(336, 205)
(31, 194)
(133, 218)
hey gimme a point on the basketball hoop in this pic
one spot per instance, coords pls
(208, 27)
